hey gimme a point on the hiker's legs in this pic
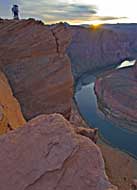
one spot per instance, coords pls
(16, 16)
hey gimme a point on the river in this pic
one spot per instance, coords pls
(110, 132)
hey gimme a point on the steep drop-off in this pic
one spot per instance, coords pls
(93, 49)
(34, 60)
(48, 152)
(117, 96)
(10, 112)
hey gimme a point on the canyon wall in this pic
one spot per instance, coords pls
(93, 49)
(128, 33)
(48, 152)
(117, 96)
(34, 60)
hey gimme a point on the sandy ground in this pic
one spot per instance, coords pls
(120, 167)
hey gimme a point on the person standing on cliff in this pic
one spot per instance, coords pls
(15, 11)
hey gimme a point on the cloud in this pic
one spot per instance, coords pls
(54, 11)
(105, 18)
(51, 11)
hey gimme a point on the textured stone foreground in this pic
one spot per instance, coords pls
(47, 154)
(33, 58)
(117, 96)
(10, 111)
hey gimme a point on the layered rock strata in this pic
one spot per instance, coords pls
(55, 157)
(34, 60)
(10, 111)
(93, 49)
(117, 96)
(128, 33)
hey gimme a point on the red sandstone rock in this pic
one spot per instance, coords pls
(87, 132)
(47, 154)
(10, 111)
(34, 60)
(117, 95)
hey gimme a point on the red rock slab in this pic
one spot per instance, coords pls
(47, 154)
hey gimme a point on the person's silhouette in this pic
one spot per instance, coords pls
(15, 11)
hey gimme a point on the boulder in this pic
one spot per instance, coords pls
(47, 154)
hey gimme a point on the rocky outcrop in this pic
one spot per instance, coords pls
(34, 60)
(117, 96)
(87, 132)
(92, 49)
(10, 112)
(55, 157)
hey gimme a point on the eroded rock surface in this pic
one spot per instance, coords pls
(34, 60)
(117, 96)
(10, 111)
(47, 154)
(95, 49)
(87, 132)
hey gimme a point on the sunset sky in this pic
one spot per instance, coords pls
(74, 11)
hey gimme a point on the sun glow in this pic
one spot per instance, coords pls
(96, 25)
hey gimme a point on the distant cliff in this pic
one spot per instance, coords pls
(92, 49)
(34, 59)
(128, 33)
(117, 96)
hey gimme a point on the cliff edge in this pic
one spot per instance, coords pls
(34, 60)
